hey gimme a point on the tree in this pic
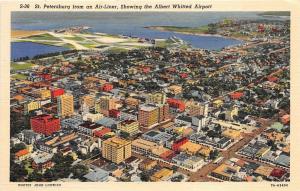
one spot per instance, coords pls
(213, 154)
(174, 168)
(17, 172)
(79, 171)
(19, 123)
(49, 175)
(178, 178)
(18, 147)
(95, 151)
(145, 177)
(57, 158)
(218, 128)
(272, 144)
(205, 128)
(35, 176)
(124, 135)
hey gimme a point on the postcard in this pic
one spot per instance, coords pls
(158, 95)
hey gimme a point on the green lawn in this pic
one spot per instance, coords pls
(69, 46)
(28, 167)
(117, 50)
(276, 13)
(75, 38)
(23, 66)
(111, 35)
(45, 36)
(164, 43)
(201, 29)
(19, 76)
(88, 45)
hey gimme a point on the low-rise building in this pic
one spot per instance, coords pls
(31, 106)
(89, 128)
(177, 104)
(22, 155)
(42, 161)
(29, 136)
(188, 161)
(161, 175)
(43, 93)
(263, 171)
(232, 134)
(147, 164)
(143, 146)
(190, 148)
(175, 89)
(99, 175)
(51, 144)
(92, 117)
(225, 172)
(158, 137)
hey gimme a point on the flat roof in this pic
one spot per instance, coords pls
(116, 141)
(152, 133)
(148, 107)
(90, 125)
(143, 144)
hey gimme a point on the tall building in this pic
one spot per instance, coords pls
(104, 104)
(195, 109)
(45, 124)
(65, 105)
(163, 112)
(157, 98)
(129, 126)
(116, 149)
(87, 101)
(148, 116)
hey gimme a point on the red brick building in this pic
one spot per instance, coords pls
(272, 79)
(45, 76)
(183, 75)
(114, 113)
(107, 87)
(45, 124)
(178, 143)
(100, 133)
(236, 95)
(176, 103)
(146, 69)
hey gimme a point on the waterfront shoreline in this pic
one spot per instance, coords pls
(161, 28)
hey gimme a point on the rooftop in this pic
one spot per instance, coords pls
(117, 142)
(148, 107)
(90, 125)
